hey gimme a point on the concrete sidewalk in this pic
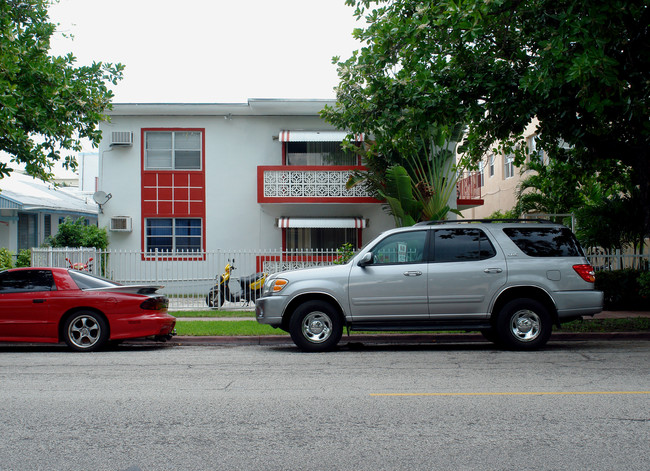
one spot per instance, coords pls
(357, 339)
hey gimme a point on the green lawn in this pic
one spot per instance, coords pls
(225, 328)
(252, 328)
(214, 313)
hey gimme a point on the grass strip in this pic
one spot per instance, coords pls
(630, 324)
(215, 314)
(225, 329)
(252, 328)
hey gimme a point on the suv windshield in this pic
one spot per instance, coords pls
(545, 241)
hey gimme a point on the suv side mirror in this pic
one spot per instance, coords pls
(365, 260)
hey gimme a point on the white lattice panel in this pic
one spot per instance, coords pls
(310, 184)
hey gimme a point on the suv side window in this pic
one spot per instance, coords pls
(403, 247)
(460, 245)
(545, 241)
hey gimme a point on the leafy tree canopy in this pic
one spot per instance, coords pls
(579, 66)
(46, 103)
(78, 234)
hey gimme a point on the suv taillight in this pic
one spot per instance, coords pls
(586, 272)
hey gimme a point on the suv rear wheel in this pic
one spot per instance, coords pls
(316, 326)
(524, 324)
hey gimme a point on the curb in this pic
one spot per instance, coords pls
(391, 339)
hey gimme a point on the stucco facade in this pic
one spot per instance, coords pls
(500, 180)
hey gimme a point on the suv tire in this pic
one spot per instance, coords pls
(524, 324)
(316, 326)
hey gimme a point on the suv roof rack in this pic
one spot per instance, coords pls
(459, 221)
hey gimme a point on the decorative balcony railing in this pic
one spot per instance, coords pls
(309, 184)
(468, 187)
(320, 184)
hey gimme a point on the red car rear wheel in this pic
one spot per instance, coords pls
(85, 331)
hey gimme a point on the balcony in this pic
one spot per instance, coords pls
(468, 191)
(308, 184)
(326, 184)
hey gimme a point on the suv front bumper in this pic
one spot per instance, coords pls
(269, 310)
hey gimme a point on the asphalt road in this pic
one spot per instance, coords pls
(574, 405)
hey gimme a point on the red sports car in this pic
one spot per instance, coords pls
(51, 305)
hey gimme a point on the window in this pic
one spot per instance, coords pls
(173, 150)
(319, 153)
(534, 152)
(27, 231)
(403, 247)
(491, 161)
(319, 238)
(460, 245)
(481, 172)
(545, 242)
(88, 281)
(173, 235)
(509, 166)
(24, 281)
(47, 225)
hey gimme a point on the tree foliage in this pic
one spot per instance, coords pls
(77, 234)
(606, 203)
(579, 66)
(47, 104)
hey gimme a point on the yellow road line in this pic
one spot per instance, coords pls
(536, 393)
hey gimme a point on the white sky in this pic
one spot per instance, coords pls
(210, 51)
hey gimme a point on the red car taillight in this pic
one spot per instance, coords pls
(158, 303)
(586, 272)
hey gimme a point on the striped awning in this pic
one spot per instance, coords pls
(344, 223)
(315, 136)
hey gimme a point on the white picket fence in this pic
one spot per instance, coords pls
(187, 277)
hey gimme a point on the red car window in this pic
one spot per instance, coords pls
(22, 281)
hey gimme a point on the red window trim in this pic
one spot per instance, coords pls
(144, 215)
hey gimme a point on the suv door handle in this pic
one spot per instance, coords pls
(38, 301)
(412, 273)
(493, 270)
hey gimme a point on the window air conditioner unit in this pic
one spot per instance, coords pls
(121, 224)
(121, 139)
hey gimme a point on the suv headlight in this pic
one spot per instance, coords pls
(274, 286)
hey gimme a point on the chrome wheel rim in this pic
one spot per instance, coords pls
(525, 325)
(317, 327)
(84, 331)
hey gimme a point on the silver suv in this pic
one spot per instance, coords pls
(509, 280)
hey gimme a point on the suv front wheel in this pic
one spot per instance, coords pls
(316, 326)
(524, 324)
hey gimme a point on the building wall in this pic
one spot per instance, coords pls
(499, 190)
(234, 147)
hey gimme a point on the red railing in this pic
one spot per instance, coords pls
(469, 187)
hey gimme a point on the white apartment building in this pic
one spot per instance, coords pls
(266, 174)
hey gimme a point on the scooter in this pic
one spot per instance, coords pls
(249, 289)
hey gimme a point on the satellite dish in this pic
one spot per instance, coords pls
(101, 199)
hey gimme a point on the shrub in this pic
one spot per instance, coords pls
(77, 234)
(623, 289)
(6, 258)
(345, 252)
(644, 284)
(24, 258)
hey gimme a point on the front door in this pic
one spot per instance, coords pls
(394, 285)
(24, 305)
